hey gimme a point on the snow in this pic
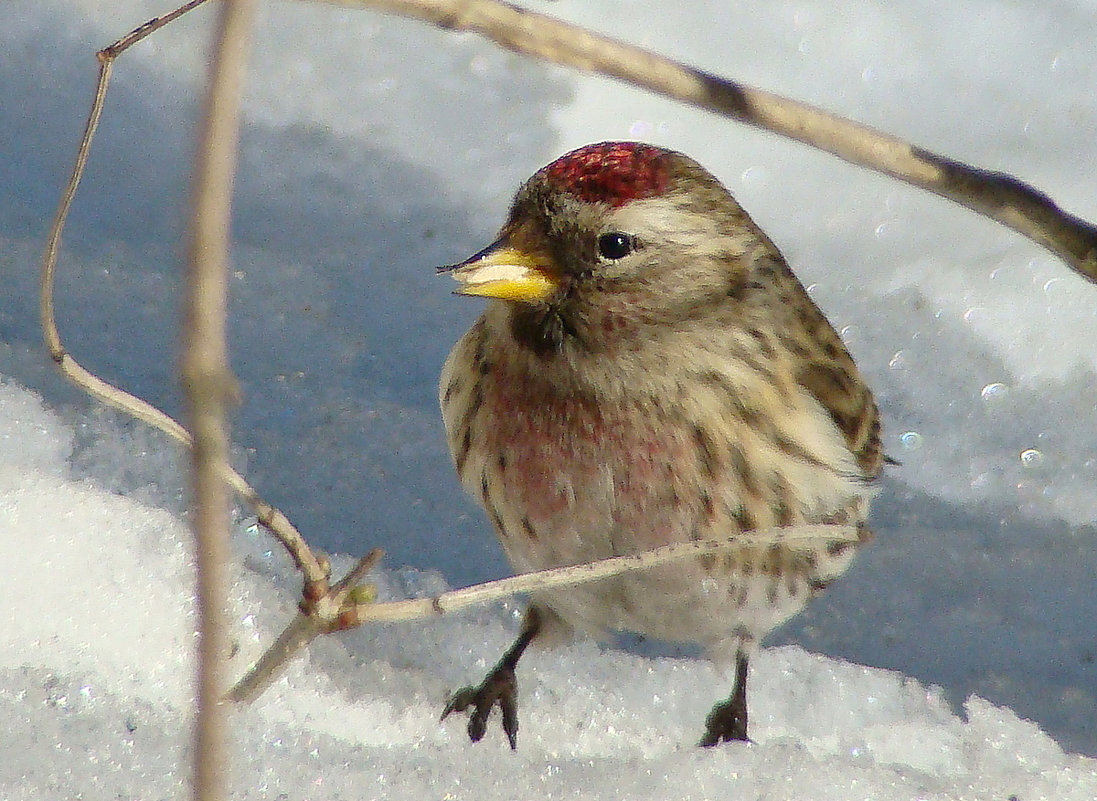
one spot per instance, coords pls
(957, 659)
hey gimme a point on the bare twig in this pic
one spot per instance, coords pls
(792, 537)
(313, 567)
(336, 614)
(208, 383)
(353, 612)
(993, 194)
(87, 381)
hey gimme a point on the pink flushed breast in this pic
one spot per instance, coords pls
(578, 474)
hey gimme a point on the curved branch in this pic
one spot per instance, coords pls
(348, 611)
(314, 568)
(996, 195)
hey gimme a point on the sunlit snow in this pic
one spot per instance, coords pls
(957, 659)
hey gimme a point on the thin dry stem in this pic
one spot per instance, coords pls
(305, 628)
(209, 385)
(311, 566)
(807, 536)
(334, 615)
(995, 195)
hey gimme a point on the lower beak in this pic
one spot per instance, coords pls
(503, 272)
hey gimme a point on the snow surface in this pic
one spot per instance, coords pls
(375, 149)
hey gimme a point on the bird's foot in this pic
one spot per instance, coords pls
(726, 722)
(500, 687)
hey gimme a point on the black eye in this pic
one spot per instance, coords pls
(615, 245)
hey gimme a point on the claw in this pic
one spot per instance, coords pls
(459, 702)
(726, 722)
(508, 706)
(499, 688)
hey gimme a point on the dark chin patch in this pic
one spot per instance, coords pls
(544, 331)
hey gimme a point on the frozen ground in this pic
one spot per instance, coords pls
(376, 149)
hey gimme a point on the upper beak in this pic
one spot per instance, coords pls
(504, 272)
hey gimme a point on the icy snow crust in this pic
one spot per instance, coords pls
(376, 149)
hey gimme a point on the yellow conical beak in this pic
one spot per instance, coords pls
(504, 272)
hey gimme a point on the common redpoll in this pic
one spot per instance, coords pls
(650, 372)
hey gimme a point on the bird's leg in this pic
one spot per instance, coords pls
(728, 720)
(500, 687)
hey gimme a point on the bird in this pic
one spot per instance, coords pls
(648, 370)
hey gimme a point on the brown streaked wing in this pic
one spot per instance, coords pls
(839, 388)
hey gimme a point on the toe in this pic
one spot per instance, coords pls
(726, 723)
(459, 701)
